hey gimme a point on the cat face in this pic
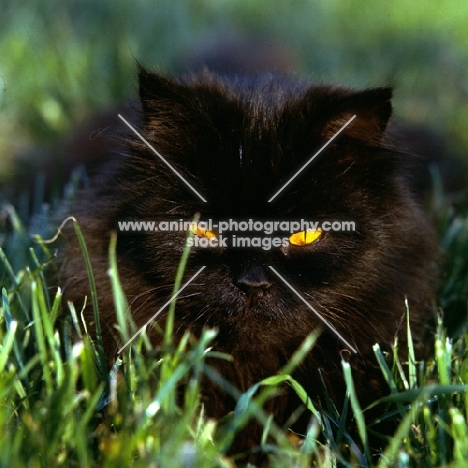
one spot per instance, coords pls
(238, 141)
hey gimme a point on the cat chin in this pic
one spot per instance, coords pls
(264, 323)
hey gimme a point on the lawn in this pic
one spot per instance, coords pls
(63, 61)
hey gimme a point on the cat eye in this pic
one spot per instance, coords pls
(200, 231)
(305, 237)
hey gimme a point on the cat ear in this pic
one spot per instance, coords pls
(154, 88)
(372, 109)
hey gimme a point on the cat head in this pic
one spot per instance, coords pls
(240, 141)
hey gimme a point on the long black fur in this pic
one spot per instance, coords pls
(237, 141)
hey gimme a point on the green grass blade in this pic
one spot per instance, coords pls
(412, 371)
(94, 298)
(357, 411)
(178, 281)
(460, 436)
(37, 314)
(7, 345)
(120, 301)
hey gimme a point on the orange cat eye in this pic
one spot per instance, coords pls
(305, 237)
(200, 231)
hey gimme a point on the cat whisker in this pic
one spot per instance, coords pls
(148, 291)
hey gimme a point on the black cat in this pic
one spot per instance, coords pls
(238, 141)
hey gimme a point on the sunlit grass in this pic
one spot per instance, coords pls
(60, 406)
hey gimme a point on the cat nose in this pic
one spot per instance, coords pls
(254, 284)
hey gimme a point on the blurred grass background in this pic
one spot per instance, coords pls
(62, 61)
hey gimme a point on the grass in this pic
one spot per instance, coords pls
(59, 404)
(61, 407)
